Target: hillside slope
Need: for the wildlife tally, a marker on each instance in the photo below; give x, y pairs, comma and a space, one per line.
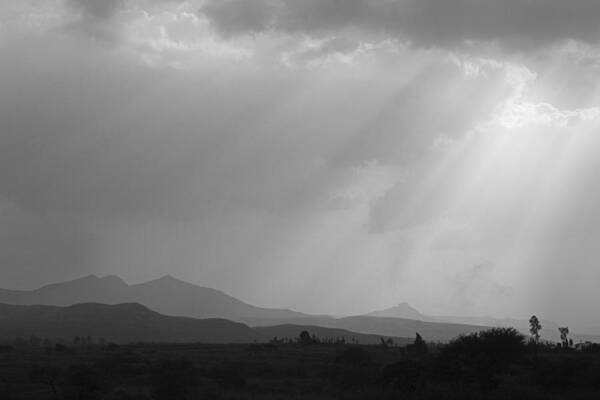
165, 295
122, 323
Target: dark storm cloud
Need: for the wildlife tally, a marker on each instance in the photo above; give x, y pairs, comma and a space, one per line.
89, 134
95, 18
100, 18
512, 23
103, 9
106, 9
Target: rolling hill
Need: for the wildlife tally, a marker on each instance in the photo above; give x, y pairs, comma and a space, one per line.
131, 322
120, 323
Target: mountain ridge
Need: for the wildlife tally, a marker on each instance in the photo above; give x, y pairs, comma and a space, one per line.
133, 322
167, 295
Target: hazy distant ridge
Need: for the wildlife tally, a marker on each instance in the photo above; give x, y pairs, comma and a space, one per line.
130, 322
166, 295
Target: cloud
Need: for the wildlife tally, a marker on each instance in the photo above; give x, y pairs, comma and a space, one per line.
321, 51
242, 17
97, 19
515, 24
108, 19
109, 137
94, 9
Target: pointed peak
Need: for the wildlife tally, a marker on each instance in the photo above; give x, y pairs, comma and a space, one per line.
168, 279
402, 310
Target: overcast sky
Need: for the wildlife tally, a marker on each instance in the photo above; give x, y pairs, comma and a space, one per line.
330, 156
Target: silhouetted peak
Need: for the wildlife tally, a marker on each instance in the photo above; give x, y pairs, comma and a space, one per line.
167, 280
402, 310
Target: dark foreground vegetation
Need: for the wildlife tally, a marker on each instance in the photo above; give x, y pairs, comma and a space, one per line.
493, 364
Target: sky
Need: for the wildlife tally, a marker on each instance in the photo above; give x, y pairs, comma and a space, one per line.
329, 156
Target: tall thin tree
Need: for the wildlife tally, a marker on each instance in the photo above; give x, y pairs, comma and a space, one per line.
534, 328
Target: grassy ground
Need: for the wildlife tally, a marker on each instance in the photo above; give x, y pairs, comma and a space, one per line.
290, 371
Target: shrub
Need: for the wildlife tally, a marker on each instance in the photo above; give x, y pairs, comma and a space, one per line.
477, 357
499, 344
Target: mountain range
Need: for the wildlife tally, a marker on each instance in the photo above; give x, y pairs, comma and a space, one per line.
174, 297
168, 296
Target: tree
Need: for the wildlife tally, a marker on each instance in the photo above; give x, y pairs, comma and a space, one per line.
305, 338
534, 328
419, 344
385, 343
564, 335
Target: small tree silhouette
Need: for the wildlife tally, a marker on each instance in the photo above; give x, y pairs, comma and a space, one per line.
564, 335
534, 328
419, 344
305, 338
383, 342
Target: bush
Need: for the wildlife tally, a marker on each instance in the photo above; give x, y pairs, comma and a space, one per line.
477, 357
499, 344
